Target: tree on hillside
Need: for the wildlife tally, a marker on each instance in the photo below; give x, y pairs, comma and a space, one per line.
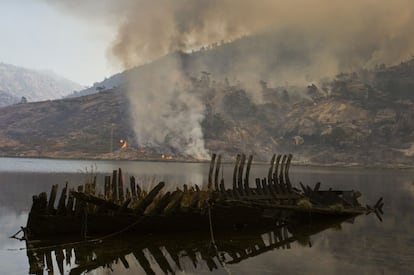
23, 100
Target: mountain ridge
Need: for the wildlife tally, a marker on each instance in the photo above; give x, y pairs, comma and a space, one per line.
18, 82
361, 118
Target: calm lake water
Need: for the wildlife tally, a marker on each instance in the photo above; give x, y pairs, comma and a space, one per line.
365, 246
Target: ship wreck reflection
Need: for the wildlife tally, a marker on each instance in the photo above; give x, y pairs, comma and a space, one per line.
168, 254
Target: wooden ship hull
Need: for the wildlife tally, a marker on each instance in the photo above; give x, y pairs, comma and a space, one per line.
119, 209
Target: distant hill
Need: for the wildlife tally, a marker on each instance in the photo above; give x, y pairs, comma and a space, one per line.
17, 82
364, 117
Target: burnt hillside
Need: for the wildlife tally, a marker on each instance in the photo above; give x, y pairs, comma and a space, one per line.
364, 118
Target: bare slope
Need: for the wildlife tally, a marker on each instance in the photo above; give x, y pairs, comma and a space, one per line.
33, 85
78, 127
362, 118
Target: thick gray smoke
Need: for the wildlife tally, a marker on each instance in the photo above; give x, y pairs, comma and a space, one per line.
311, 39
166, 113
375, 31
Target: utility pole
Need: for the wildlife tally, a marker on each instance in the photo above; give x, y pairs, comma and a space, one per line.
111, 138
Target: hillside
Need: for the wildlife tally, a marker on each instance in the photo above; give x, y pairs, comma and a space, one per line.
17, 82
364, 118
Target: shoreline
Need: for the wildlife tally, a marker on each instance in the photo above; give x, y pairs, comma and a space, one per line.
294, 163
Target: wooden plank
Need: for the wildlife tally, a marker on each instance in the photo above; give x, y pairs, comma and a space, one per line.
69, 207
264, 186
139, 191
83, 198
174, 203
146, 201
196, 201
216, 175
52, 198
107, 187
270, 172
210, 172
222, 188
114, 186
258, 186
159, 207
128, 194
61, 209
79, 204
247, 175
120, 186
240, 174
93, 186
287, 179
124, 206
39, 205
236, 169
281, 173
133, 187
276, 170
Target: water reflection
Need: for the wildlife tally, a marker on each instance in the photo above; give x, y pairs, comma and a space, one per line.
168, 253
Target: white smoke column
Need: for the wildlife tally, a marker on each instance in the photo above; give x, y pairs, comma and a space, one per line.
164, 110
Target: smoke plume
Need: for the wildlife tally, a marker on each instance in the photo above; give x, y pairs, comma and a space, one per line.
166, 113
375, 31
308, 40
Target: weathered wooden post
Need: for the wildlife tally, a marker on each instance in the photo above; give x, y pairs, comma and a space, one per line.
52, 197
216, 175
270, 173
114, 186
210, 171
61, 209
79, 203
258, 187
107, 187
133, 187
247, 175
120, 186
236, 169
281, 173
287, 180
69, 207
143, 204
240, 174
276, 172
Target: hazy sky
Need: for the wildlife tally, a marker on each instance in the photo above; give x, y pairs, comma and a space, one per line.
37, 36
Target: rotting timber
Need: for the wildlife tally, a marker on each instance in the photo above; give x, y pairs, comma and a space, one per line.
121, 208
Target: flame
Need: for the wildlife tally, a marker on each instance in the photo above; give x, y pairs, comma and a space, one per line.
166, 157
124, 143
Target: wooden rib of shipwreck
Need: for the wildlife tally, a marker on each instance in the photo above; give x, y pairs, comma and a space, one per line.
130, 208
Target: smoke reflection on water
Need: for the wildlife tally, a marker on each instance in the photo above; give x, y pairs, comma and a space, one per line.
366, 246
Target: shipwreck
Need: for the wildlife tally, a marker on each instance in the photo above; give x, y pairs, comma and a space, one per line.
120, 207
